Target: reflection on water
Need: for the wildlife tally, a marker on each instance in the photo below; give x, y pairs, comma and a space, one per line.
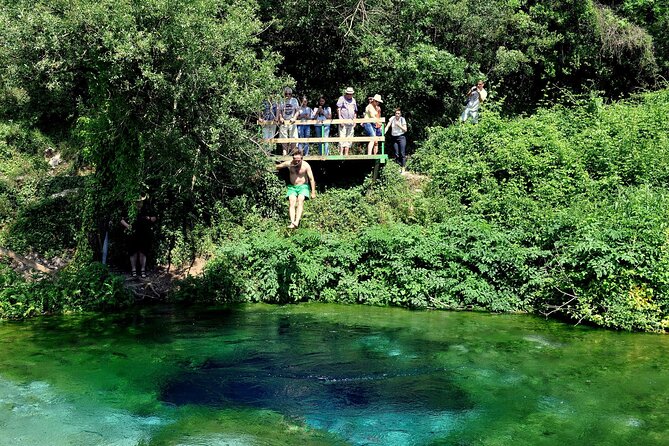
328, 375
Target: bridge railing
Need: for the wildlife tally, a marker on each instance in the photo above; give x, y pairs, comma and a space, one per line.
336, 139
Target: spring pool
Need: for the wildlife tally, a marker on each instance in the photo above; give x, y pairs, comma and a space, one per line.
318, 374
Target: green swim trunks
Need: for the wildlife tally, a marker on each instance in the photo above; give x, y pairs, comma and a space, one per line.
300, 189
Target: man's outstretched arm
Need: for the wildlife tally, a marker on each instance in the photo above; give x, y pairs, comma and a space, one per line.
282, 165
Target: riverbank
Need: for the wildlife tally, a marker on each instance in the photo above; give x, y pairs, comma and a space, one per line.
564, 213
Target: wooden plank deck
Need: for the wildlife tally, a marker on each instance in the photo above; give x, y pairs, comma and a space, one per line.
332, 121
317, 140
382, 158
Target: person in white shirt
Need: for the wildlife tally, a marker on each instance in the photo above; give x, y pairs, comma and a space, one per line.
398, 127
287, 113
475, 96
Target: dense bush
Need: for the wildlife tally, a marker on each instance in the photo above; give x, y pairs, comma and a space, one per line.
47, 226
457, 264
588, 184
90, 287
609, 262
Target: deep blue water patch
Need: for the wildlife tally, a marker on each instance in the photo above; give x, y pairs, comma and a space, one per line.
274, 383
367, 386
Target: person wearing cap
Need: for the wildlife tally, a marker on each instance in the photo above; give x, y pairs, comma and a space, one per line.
347, 108
373, 110
287, 115
475, 96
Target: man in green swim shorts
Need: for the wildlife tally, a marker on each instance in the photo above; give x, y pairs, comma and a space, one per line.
299, 188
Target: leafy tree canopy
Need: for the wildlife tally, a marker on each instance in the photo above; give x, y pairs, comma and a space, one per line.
156, 94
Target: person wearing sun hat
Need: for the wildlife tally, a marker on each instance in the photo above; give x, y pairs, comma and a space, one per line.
373, 110
347, 108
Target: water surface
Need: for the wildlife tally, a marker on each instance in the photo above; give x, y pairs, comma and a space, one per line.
328, 375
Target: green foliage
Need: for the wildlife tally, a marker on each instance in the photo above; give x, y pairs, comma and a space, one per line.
611, 257
34, 216
652, 15
22, 167
423, 55
90, 287
587, 184
457, 264
47, 226
159, 97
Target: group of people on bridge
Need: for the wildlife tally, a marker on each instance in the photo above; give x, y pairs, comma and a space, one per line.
287, 113
283, 118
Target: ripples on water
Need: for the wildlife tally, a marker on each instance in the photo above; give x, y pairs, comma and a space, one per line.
325, 375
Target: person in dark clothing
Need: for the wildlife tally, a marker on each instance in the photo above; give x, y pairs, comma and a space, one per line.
139, 240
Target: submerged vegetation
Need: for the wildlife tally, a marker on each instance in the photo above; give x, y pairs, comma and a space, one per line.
555, 203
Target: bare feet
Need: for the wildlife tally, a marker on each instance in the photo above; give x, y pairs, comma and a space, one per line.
292, 226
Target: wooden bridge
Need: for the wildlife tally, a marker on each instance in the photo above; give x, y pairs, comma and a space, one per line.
378, 159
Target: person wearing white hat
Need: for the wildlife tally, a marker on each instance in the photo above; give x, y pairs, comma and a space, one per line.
373, 110
347, 108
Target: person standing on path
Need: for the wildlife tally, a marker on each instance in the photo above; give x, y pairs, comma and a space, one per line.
398, 126
347, 108
475, 96
139, 237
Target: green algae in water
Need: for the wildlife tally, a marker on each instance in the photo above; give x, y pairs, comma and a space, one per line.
328, 375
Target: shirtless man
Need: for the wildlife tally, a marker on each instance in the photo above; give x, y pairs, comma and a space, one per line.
298, 189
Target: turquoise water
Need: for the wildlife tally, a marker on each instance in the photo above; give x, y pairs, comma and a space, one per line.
328, 375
